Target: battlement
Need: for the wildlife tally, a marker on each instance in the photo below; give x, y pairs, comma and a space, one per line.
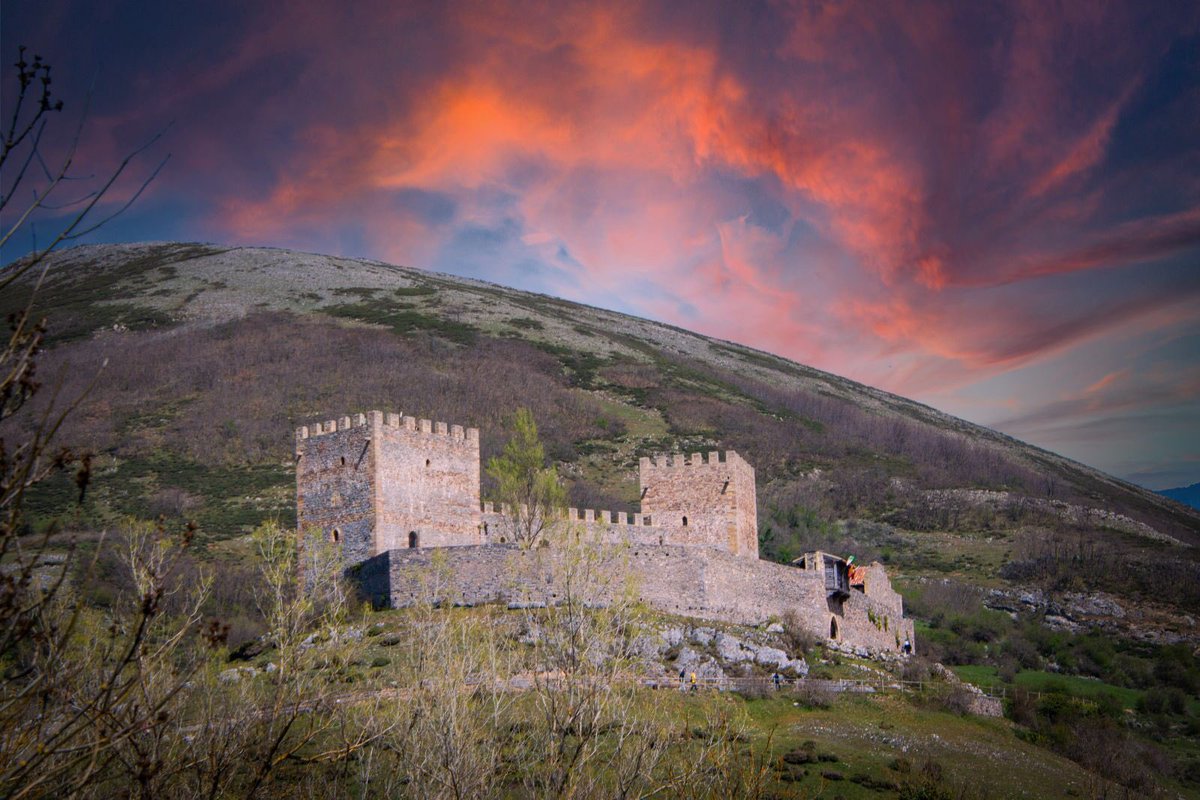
685, 460
585, 515
399, 421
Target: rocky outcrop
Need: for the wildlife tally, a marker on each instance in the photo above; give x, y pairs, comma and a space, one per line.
1077, 612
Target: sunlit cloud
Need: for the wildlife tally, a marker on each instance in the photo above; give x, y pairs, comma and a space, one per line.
919, 196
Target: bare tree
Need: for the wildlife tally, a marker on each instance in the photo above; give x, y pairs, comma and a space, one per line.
66, 713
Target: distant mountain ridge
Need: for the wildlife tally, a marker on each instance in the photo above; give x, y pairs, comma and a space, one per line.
1188, 495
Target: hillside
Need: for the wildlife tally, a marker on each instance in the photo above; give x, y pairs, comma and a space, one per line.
1069, 591
214, 355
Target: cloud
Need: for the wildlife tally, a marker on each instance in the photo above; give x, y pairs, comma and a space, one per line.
920, 196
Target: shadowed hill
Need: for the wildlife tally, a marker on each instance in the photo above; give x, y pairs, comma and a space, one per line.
215, 354
1188, 495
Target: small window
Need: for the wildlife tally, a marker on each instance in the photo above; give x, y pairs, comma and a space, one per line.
335, 536
833, 628
413, 539
685, 521
343, 461
427, 462
485, 529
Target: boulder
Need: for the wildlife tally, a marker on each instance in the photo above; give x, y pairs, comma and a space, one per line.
730, 649
771, 657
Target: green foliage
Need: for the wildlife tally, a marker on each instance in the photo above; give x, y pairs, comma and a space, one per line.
403, 319
72, 300
525, 483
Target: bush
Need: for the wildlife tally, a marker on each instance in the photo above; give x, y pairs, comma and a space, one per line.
811, 695
1163, 700
798, 639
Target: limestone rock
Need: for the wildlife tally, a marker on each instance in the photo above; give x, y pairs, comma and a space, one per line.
771, 657
730, 649
690, 661
672, 636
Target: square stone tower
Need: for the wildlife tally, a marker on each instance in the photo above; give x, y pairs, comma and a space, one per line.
702, 501
380, 482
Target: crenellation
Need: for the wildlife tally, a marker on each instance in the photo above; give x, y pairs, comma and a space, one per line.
440, 427
410, 423
426, 426
456, 432
393, 420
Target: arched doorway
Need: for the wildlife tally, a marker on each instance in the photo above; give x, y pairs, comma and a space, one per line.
413, 539
833, 628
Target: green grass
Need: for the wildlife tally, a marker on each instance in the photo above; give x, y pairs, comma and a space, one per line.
404, 319
74, 301
1041, 681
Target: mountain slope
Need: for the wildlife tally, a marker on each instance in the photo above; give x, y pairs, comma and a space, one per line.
215, 354
194, 363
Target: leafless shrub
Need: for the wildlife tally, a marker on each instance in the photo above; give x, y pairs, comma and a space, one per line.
797, 637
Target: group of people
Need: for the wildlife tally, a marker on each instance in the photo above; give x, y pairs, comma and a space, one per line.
687, 681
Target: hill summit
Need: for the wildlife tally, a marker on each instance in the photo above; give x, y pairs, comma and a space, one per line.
214, 355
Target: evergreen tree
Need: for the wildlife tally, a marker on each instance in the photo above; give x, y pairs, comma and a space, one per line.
530, 488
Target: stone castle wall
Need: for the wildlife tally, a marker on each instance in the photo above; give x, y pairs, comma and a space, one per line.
689, 581
612, 527
405, 482
401, 495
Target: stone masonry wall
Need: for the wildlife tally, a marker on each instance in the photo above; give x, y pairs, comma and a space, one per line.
877, 626
427, 483
334, 484
702, 501
695, 582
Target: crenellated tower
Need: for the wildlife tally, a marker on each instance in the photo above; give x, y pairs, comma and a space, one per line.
378, 482
702, 501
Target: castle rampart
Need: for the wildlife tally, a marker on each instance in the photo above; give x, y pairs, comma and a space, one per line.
695, 582
393, 489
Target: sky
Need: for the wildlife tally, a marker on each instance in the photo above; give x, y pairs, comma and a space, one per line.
992, 208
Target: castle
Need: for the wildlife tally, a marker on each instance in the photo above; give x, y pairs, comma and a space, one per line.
391, 490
